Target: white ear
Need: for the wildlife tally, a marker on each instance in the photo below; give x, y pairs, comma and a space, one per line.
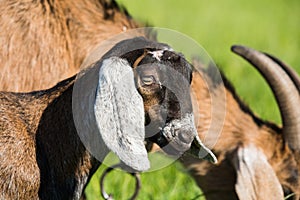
119, 112
255, 176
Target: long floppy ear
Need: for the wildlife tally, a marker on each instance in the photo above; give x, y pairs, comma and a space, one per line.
119, 112
255, 176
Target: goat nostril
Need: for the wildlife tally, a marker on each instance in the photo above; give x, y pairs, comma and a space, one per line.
185, 137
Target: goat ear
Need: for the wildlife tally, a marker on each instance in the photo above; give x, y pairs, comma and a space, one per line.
119, 112
255, 176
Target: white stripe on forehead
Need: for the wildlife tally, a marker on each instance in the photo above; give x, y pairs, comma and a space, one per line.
157, 54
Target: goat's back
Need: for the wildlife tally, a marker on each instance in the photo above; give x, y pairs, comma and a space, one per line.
44, 42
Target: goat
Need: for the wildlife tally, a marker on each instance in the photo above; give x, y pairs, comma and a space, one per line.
72, 30
50, 39
257, 159
52, 141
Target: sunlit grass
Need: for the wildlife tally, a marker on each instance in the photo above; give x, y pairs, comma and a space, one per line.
271, 25
169, 182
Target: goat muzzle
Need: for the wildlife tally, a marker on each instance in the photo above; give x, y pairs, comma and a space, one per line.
180, 136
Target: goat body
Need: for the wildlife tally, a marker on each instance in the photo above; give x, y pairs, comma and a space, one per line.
50, 39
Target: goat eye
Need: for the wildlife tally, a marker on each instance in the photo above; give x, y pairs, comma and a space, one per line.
148, 80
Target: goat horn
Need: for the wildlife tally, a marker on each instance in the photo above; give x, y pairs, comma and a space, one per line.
291, 72
284, 85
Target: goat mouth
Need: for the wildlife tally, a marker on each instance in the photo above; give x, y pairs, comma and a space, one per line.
171, 143
179, 136
175, 147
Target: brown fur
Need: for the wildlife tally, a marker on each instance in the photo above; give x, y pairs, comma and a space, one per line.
240, 129
50, 39
29, 161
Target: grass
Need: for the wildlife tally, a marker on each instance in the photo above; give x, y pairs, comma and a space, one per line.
156, 184
272, 26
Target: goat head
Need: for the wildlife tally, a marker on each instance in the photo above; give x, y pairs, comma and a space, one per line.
141, 83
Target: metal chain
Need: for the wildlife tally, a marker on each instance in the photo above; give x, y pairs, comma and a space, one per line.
110, 196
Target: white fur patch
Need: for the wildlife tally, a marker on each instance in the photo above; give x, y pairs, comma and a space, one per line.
157, 54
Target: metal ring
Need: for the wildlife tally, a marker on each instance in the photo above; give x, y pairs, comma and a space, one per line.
110, 196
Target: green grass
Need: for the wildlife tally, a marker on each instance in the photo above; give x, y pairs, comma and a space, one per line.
272, 26
170, 182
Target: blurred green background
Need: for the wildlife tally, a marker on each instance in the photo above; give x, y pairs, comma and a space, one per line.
272, 26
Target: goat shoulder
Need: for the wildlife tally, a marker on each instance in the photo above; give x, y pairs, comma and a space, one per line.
36, 154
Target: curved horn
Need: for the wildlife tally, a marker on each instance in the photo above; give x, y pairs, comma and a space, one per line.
291, 72
284, 89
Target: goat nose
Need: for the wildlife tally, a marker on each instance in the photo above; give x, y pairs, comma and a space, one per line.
185, 137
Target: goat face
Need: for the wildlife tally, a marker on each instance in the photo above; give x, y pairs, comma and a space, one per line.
163, 79
143, 90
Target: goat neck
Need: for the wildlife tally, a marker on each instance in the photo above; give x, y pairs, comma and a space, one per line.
67, 164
